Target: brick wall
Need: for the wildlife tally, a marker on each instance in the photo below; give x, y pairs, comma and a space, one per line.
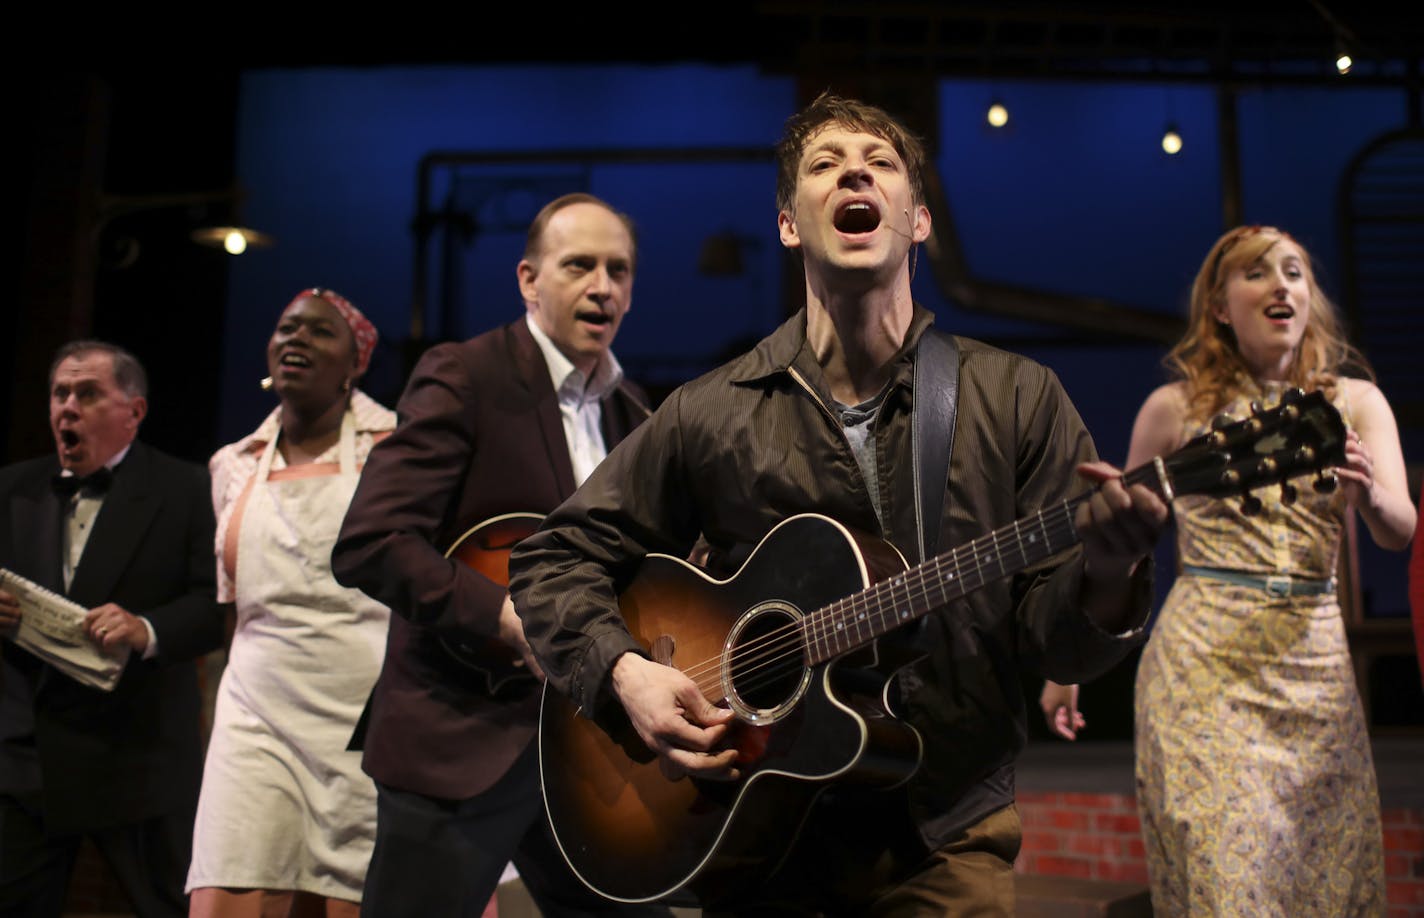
1404, 861
1093, 836
1097, 836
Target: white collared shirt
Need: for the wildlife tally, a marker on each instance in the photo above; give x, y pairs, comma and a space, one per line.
579, 400
79, 516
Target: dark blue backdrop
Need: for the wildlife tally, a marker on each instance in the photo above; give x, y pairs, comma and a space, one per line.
1073, 196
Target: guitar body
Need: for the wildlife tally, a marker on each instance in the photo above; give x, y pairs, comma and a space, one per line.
485, 549
629, 832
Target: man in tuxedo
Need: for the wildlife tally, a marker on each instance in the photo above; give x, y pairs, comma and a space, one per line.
509, 421
127, 532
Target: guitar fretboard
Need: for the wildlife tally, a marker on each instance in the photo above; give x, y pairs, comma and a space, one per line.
856, 620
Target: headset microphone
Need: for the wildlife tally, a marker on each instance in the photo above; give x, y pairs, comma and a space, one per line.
914, 245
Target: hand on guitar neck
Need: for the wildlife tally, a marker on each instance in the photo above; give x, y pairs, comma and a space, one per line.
1119, 526
511, 632
674, 719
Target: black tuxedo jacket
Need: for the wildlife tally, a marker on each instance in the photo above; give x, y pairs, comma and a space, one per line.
480, 435
110, 758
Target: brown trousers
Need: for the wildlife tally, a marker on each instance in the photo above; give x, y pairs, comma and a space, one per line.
874, 867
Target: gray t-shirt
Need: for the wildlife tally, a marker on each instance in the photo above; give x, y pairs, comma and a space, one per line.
859, 425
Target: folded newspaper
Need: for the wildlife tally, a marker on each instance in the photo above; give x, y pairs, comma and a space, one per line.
52, 628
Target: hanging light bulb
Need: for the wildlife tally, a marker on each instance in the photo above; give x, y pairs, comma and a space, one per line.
235, 243
233, 239
1171, 141
998, 115
1343, 61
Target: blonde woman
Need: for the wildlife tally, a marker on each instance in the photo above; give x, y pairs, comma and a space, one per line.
1255, 780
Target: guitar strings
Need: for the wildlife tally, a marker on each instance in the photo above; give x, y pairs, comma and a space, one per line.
779, 648
877, 603
871, 610
749, 663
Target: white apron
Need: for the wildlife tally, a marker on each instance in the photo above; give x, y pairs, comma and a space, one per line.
284, 804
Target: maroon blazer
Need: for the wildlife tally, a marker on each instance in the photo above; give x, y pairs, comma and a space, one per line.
479, 435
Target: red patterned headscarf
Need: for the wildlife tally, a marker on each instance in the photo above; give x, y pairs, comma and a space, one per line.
361, 328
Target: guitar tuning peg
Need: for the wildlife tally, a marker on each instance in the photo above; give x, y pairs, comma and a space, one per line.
1288, 493
1326, 483
1222, 420
1292, 395
1255, 406
1250, 505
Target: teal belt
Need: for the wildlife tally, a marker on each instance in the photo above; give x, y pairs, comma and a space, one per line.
1275, 584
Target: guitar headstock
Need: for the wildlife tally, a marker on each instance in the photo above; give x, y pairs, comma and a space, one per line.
1303, 434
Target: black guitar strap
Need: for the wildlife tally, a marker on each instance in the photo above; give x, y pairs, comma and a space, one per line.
936, 398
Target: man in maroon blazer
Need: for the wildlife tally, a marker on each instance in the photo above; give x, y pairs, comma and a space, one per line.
509, 421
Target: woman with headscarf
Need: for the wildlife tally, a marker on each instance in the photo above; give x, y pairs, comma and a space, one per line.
287, 819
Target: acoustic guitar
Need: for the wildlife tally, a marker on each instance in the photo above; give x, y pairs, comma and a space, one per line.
485, 548
789, 644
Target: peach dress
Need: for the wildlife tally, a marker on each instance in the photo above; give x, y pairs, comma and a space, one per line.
1255, 780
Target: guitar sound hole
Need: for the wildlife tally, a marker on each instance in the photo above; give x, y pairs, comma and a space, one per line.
766, 663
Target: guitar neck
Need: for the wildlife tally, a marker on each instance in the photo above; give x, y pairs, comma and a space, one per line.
852, 622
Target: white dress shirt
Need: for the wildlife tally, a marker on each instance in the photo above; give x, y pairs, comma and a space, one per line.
579, 399
79, 515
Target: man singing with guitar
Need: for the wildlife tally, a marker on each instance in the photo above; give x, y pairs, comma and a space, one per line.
493, 430
787, 776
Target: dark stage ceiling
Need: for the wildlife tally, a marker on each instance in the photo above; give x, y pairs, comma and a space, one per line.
1248, 41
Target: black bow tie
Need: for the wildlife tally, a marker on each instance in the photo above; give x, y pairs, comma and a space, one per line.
66, 486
